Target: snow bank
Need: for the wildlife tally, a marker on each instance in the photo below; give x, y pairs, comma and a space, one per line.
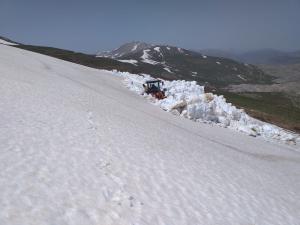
187, 99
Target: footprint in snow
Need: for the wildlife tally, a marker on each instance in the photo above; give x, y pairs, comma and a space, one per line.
91, 122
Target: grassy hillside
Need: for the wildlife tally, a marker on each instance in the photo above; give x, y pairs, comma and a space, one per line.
189, 65
81, 58
277, 108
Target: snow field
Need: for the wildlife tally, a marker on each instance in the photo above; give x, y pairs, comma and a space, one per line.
76, 147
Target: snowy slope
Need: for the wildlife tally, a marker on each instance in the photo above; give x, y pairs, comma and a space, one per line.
76, 147
4, 42
125, 49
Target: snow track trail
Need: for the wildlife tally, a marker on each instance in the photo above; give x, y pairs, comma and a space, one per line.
77, 147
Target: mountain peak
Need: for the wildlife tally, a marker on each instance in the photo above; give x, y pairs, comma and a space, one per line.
125, 49
170, 62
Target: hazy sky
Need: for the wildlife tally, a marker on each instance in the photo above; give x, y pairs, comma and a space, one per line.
91, 25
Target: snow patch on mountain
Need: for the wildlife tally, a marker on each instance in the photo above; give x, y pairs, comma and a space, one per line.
131, 61
146, 58
180, 50
157, 49
167, 69
194, 74
241, 77
134, 47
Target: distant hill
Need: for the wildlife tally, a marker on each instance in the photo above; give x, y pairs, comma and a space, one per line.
263, 56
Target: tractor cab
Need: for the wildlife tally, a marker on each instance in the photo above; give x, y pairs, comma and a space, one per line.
153, 87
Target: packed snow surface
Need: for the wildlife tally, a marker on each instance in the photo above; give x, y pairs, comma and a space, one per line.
76, 147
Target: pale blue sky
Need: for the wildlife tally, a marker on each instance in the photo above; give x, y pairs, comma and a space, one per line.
92, 25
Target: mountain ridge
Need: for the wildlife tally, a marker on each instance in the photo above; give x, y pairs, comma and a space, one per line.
267, 56
172, 62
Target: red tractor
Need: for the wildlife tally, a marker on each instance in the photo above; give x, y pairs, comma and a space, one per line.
153, 87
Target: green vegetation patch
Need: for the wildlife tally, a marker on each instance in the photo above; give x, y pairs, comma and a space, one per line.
277, 108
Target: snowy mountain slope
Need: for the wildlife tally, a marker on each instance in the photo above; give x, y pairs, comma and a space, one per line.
125, 49
76, 147
171, 63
